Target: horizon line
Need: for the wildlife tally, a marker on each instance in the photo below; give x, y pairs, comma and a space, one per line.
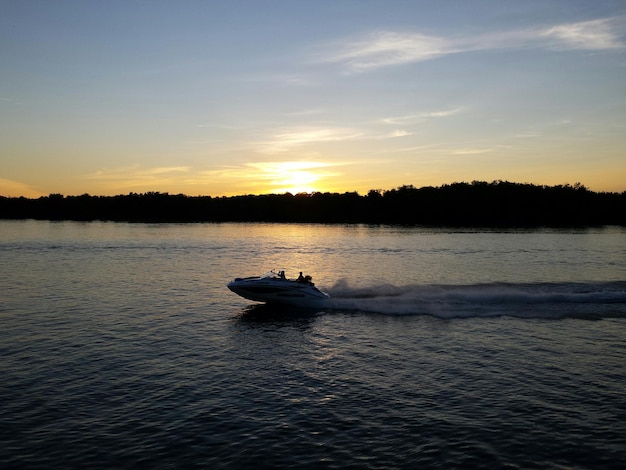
577, 185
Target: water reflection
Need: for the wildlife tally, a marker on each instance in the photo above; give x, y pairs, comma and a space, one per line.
266, 313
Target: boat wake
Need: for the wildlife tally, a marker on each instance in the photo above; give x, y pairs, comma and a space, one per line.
532, 300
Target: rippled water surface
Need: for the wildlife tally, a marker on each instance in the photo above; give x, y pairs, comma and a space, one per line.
121, 347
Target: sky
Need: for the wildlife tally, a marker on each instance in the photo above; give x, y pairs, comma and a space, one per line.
235, 97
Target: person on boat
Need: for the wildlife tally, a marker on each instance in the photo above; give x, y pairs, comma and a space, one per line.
305, 279
282, 274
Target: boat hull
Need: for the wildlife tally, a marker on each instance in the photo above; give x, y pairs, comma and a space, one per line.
278, 291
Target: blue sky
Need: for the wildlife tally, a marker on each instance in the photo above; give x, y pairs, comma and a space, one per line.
251, 97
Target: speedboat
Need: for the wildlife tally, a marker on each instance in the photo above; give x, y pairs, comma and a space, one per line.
274, 287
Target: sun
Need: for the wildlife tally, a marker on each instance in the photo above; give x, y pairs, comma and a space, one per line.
298, 182
292, 177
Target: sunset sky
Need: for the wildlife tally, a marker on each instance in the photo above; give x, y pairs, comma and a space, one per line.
250, 97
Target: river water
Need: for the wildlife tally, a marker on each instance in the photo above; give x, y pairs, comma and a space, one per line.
121, 347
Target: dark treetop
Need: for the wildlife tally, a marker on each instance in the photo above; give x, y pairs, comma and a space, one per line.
496, 204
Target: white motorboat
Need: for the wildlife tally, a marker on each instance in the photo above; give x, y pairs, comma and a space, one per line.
274, 287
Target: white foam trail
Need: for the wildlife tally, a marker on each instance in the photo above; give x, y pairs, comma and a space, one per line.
541, 300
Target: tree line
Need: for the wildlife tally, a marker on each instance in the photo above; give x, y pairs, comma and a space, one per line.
479, 203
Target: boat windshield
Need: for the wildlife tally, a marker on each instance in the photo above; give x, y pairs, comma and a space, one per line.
271, 275
280, 275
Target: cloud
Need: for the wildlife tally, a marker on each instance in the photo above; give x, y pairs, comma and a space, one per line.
587, 35
271, 167
478, 150
136, 176
307, 112
388, 48
400, 133
137, 172
417, 149
420, 117
292, 138
285, 79
10, 101
472, 151
264, 169
10, 188
444, 113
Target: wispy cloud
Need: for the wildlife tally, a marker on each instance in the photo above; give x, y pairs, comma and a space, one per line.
307, 112
136, 176
478, 150
417, 149
473, 151
137, 171
292, 138
400, 133
10, 188
587, 35
266, 170
420, 117
285, 79
387, 48
274, 167
390, 48
10, 101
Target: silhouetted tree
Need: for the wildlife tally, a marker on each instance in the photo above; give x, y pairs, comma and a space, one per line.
479, 203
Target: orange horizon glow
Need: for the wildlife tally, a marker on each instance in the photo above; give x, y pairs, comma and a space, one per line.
288, 177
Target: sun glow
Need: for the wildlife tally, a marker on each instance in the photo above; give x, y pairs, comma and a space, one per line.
293, 177
298, 182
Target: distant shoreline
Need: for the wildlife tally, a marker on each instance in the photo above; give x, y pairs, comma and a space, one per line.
476, 204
